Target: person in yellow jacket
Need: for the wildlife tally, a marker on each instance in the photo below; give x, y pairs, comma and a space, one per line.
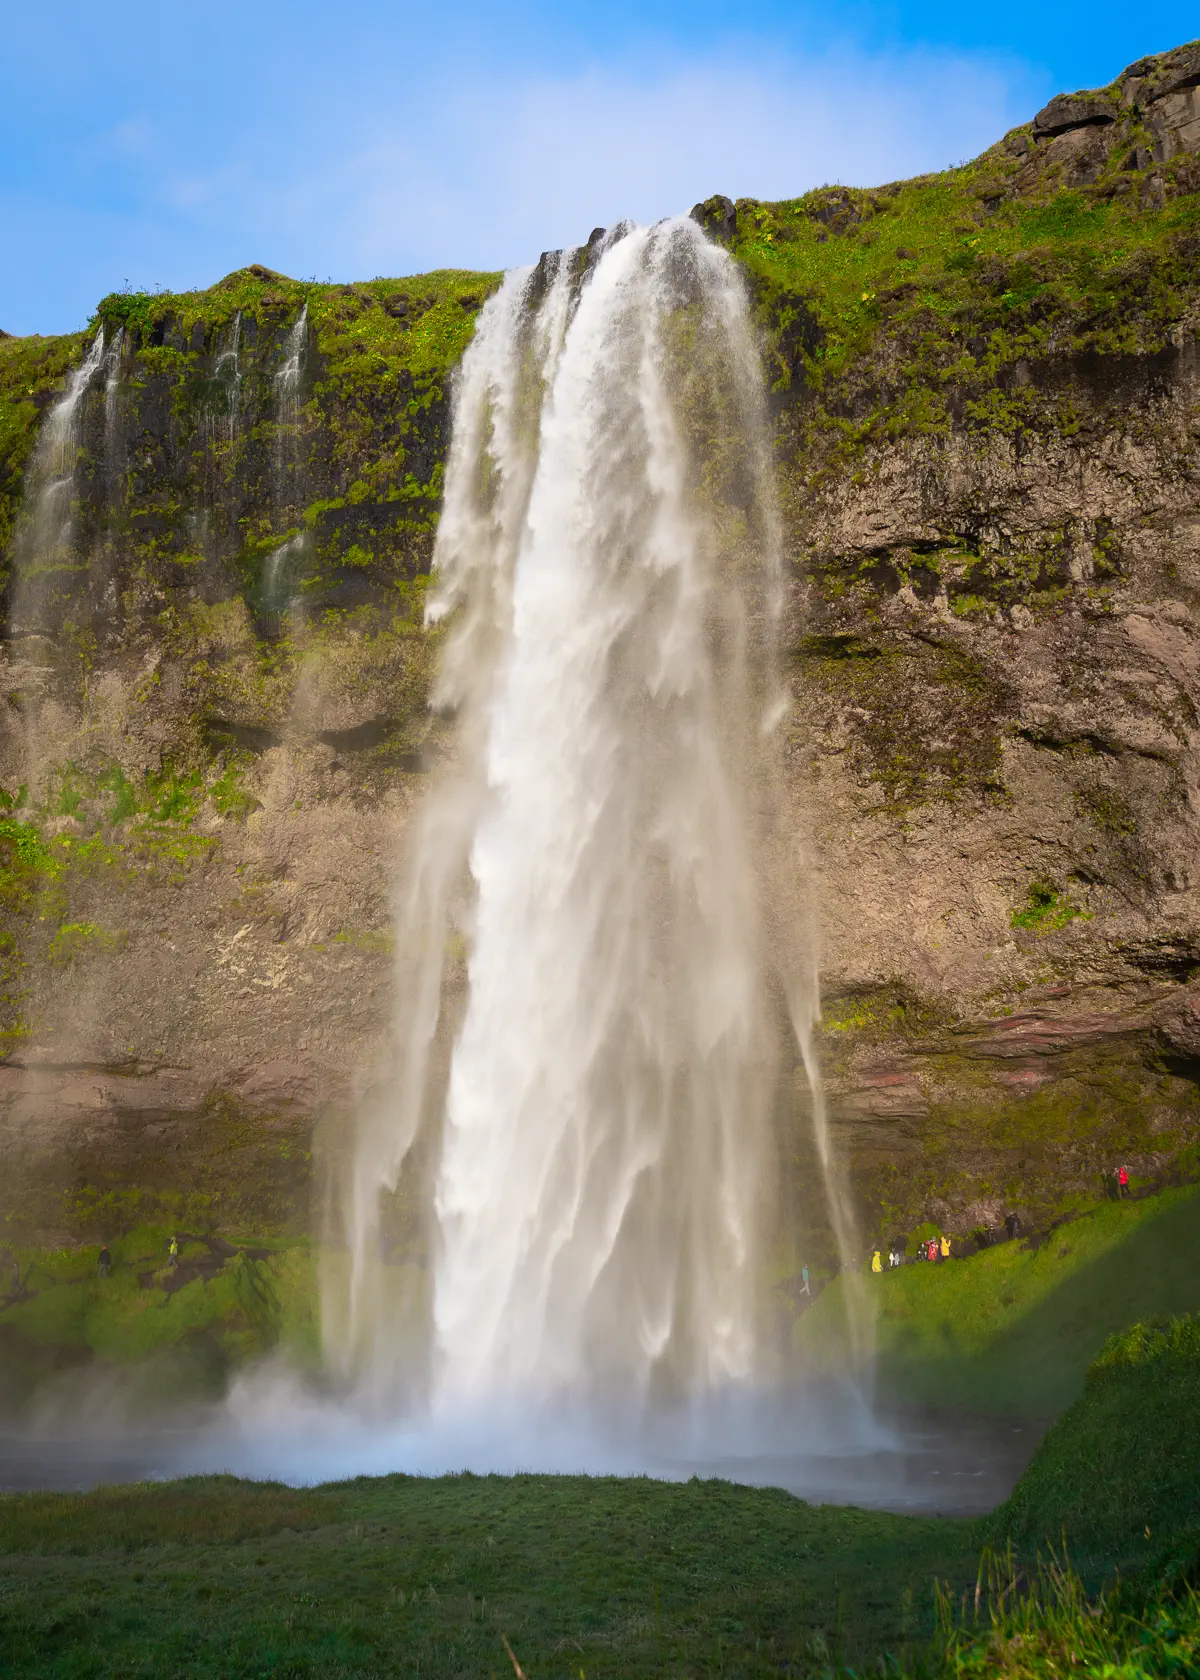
876, 1262
945, 1247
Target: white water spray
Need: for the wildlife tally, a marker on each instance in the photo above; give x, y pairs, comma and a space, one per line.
578, 1136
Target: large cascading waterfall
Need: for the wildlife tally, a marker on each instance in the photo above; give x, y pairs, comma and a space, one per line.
591, 1000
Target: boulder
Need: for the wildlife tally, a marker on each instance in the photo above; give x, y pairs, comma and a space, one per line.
1073, 110
718, 217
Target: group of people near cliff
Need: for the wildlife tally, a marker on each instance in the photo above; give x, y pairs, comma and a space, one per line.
930, 1248
938, 1248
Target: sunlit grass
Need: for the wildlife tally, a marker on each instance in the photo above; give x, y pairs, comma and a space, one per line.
1013, 1329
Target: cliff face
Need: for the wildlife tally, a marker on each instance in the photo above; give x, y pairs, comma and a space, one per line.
987, 397
216, 672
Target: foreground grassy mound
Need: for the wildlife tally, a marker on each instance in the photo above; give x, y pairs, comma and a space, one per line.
1121, 1470
409, 1576
1014, 1328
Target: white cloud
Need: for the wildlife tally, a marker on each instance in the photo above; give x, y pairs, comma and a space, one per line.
504, 169
328, 176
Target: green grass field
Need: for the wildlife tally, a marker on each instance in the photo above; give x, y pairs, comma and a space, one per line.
1013, 1329
405, 1576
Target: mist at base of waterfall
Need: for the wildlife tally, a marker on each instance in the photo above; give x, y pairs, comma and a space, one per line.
822, 1442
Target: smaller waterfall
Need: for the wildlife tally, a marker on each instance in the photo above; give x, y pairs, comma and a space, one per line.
279, 573
277, 590
228, 372
112, 387
114, 460
45, 546
287, 380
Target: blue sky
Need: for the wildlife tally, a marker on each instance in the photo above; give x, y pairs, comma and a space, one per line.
163, 145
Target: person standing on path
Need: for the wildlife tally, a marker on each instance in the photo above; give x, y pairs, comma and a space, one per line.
104, 1263
1122, 1182
173, 1255
945, 1246
876, 1261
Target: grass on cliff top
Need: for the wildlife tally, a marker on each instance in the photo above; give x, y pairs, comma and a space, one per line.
405, 332
1012, 1330
925, 251
605, 1576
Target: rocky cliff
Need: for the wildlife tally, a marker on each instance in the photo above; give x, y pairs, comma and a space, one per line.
987, 399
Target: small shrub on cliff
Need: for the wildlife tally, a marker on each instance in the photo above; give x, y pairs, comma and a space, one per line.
1046, 910
79, 939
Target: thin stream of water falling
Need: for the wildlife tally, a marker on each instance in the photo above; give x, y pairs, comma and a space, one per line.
278, 581
45, 547
287, 405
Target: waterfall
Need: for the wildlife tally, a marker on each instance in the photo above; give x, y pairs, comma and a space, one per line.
112, 389
228, 372
591, 1005
287, 407
279, 569
44, 544
45, 561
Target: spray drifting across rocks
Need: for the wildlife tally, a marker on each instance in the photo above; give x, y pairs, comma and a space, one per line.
592, 1018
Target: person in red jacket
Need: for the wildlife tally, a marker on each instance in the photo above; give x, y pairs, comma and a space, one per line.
1122, 1181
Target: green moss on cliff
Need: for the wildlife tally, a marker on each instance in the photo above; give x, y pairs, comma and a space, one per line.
927, 301
921, 719
200, 464
1046, 910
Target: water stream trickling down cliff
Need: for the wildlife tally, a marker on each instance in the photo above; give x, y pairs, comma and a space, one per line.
592, 1006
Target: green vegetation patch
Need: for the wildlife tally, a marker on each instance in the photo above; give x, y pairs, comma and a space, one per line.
1046, 910
599, 1576
1037, 1623
207, 1510
1012, 1330
94, 828
1120, 1470
966, 274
